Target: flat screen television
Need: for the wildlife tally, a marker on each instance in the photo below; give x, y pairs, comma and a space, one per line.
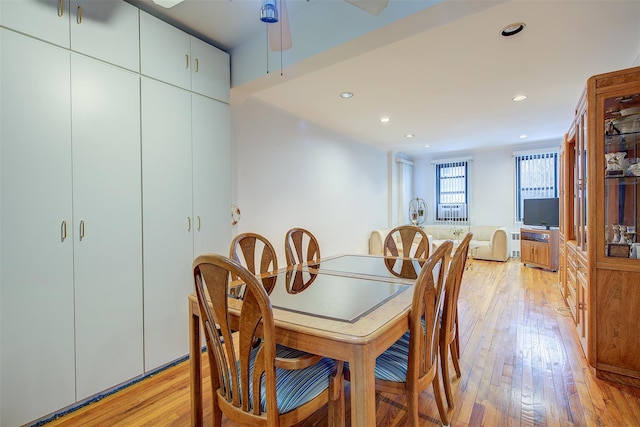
541, 212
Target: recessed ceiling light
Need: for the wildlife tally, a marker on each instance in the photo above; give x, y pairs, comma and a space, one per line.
409, 135
346, 95
427, 146
512, 29
519, 98
523, 136
385, 119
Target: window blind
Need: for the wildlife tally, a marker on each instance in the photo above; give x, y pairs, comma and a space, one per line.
451, 191
536, 178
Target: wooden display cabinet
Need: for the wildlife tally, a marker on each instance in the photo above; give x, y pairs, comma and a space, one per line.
600, 213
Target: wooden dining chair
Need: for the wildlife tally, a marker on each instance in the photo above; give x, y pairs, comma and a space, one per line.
411, 363
258, 255
449, 336
301, 246
406, 241
264, 384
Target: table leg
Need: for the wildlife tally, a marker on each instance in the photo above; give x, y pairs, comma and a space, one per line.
363, 388
195, 364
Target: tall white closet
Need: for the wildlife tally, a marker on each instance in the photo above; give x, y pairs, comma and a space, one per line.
71, 223
88, 144
186, 193
36, 287
185, 176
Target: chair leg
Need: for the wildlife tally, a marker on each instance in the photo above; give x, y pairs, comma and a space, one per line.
217, 413
455, 349
336, 397
444, 414
412, 408
455, 357
444, 369
457, 338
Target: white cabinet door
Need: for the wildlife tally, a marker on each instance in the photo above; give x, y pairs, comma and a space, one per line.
36, 269
164, 52
167, 220
108, 225
211, 175
107, 30
210, 72
44, 19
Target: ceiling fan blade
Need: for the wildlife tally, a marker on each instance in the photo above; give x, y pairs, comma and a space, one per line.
167, 3
374, 7
280, 32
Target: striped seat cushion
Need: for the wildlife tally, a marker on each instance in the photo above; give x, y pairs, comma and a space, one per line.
295, 387
392, 364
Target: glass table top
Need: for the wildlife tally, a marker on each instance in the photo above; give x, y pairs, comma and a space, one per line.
367, 265
331, 296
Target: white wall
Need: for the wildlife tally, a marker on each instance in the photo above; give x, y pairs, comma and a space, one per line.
290, 173
491, 179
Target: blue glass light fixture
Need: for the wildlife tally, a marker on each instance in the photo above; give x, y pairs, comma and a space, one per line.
269, 11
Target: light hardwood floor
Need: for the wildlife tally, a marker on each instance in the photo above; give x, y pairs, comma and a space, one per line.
521, 366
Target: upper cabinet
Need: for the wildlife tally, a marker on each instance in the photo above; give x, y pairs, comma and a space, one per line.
43, 19
210, 70
103, 29
107, 30
174, 57
164, 52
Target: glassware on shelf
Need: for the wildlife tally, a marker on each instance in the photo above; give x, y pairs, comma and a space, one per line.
622, 172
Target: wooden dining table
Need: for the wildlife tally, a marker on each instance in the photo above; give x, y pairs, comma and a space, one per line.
347, 307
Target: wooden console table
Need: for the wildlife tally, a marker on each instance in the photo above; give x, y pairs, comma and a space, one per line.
539, 248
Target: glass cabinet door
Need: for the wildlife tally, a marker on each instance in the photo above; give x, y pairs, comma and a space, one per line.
580, 179
622, 175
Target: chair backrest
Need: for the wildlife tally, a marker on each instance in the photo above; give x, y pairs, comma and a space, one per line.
407, 241
230, 380
301, 246
452, 288
428, 298
257, 254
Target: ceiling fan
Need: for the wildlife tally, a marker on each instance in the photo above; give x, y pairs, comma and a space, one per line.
275, 11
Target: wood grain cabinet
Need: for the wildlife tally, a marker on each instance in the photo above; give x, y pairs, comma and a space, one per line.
600, 218
539, 248
572, 281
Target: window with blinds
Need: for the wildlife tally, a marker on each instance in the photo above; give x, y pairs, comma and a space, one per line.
451, 191
536, 178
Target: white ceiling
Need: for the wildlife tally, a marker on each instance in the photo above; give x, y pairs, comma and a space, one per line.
451, 84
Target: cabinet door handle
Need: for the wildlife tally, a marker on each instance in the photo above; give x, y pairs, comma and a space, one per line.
188, 223
197, 65
198, 222
82, 229
187, 61
63, 231
79, 18
61, 8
